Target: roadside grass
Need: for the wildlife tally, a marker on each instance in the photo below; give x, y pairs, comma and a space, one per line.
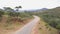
44, 28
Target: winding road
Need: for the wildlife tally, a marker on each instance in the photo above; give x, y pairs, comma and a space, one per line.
27, 29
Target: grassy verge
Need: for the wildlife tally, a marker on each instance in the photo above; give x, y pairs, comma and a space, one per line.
44, 28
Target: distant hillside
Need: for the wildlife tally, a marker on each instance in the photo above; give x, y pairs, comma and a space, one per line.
34, 10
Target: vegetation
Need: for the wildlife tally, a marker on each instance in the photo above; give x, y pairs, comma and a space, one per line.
45, 28
50, 16
13, 13
11, 19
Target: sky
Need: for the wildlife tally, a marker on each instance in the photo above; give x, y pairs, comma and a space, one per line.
30, 4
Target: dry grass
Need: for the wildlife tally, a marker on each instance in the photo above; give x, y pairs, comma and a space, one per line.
44, 28
6, 28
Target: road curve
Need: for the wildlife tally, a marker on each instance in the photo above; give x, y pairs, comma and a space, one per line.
27, 29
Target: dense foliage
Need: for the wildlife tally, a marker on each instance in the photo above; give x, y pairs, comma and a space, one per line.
52, 17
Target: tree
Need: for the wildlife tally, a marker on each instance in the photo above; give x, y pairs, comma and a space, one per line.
1, 12
8, 9
18, 7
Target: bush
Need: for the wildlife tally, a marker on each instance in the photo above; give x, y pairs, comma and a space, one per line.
58, 26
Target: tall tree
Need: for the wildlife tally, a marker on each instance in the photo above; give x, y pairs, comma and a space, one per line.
18, 7
1, 12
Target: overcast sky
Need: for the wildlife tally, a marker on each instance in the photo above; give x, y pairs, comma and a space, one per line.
30, 4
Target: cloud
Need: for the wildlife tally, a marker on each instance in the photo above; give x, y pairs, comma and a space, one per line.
30, 4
